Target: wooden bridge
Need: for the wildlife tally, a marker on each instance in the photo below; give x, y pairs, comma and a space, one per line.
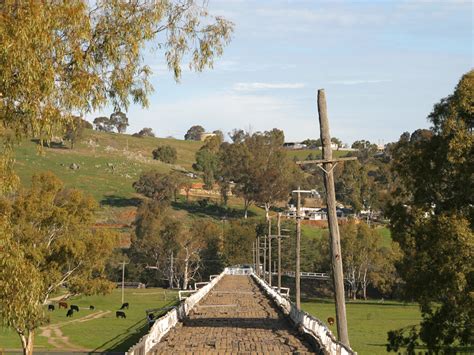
238, 314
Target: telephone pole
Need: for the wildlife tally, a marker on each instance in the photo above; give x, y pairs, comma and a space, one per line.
327, 164
123, 279
264, 257
279, 250
298, 252
258, 256
269, 251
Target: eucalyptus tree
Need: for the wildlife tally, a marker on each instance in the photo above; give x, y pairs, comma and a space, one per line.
48, 241
432, 218
75, 57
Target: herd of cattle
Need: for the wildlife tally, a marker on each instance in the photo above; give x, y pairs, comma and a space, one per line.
75, 308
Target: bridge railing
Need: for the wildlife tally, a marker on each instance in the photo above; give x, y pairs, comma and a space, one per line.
308, 324
164, 324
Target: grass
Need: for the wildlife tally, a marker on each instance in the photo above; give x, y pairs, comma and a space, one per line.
109, 162
106, 333
368, 321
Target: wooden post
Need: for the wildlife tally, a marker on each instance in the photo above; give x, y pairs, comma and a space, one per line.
123, 280
298, 251
253, 255
258, 256
269, 251
279, 250
336, 257
264, 257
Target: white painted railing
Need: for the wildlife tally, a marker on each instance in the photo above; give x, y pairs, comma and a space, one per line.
170, 319
310, 325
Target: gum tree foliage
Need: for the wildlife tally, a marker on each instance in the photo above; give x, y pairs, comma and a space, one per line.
194, 133
144, 132
75, 129
166, 154
79, 56
103, 124
158, 186
120, 121
259, 167
174, 251
48, 242
432, 218
207, 161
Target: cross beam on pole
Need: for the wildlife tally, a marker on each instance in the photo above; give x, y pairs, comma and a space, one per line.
327, 165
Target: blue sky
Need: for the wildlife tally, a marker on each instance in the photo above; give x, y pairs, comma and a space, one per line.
383, 64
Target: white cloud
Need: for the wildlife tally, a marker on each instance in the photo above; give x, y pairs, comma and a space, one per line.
358, 82
266, 86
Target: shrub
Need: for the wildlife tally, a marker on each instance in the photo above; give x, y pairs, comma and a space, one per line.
166, 154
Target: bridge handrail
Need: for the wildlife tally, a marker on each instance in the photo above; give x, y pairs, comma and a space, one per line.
307, 323
163, 324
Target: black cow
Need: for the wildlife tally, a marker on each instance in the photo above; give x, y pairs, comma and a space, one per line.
69, 313
120, 314
124, 306
91, 307
51, 307
74, 307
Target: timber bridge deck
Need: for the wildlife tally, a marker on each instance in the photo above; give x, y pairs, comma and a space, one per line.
235, 317
238, 314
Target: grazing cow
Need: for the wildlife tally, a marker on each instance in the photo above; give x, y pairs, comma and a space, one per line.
62, 305
69, 313
331, 320
124, 306
51, 307
74, 307
91, 307
120, 314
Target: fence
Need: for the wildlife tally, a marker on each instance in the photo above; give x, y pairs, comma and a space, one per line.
306, 323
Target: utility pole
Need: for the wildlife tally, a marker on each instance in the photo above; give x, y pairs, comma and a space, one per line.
269, 251
298, 251
258, 256
327, 164
264, 257
123, 280
279, 250
171, 271
253, 256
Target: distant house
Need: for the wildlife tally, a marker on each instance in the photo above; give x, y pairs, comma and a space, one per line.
294, 145
206, 135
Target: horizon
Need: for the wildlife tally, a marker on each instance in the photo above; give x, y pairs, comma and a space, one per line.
385, 64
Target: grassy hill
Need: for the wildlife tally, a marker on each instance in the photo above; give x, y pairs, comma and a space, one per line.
108, 162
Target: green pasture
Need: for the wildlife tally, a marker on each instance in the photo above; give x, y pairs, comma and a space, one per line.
368, 321
98, 330
109, 162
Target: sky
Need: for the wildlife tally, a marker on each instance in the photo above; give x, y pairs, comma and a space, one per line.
383, 65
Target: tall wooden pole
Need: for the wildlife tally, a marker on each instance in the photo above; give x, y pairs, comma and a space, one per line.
279, 250
123, 280
269, 251
258, 256
264, 257
336, 257
298, 251
253, 256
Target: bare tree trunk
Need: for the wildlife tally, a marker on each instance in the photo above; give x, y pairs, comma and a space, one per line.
186, 268
267, 210
171, 271
27, 342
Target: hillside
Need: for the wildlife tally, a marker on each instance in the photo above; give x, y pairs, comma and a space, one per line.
108, 162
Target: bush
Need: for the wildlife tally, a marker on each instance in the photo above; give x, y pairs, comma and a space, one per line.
166, 154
